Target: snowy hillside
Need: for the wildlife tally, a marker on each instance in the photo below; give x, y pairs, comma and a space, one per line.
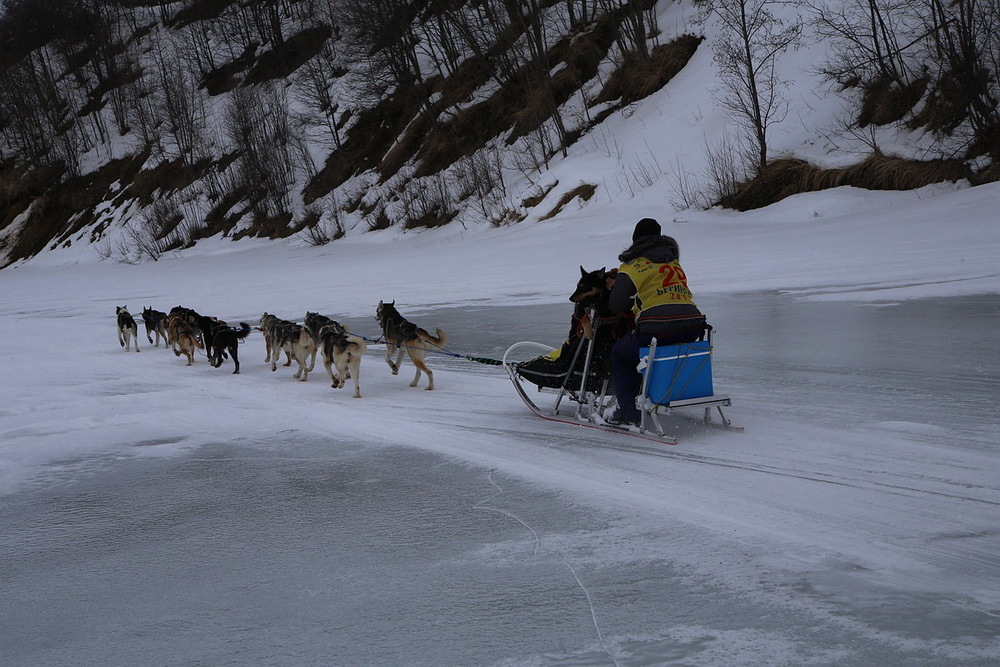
308, 136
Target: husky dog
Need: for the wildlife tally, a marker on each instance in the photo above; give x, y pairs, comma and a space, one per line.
343, 351
227, 338
175, 325
295, 340
127, 328
209, 326
185, 341
313, 323
179, 318
156, 322
400, 334
267, 325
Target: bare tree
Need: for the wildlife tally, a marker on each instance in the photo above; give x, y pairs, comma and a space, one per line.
869, 39
746, 53
967, 47
314, 89
37, 109
180, 103
382, 33
637, 22
257, 124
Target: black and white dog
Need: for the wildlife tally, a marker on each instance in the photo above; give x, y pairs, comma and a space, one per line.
127, 328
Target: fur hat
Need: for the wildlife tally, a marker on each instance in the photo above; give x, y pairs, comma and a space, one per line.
645, 228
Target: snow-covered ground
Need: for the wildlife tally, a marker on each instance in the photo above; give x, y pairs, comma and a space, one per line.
862, 498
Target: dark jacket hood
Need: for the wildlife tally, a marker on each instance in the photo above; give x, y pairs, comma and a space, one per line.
659, 249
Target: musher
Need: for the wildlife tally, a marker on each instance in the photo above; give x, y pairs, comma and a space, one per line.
651, 283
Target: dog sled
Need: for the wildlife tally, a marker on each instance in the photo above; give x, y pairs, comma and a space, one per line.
674, 377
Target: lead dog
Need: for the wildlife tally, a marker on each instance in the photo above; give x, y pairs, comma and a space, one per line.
400, 334
156, 322
127, 328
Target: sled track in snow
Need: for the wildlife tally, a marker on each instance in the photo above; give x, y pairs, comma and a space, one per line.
673, 452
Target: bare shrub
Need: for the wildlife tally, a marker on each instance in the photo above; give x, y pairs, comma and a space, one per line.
328, 226
427, 203
378, 217
639, 174
728, 167
685, 189
480, 177
138, 243
103, 248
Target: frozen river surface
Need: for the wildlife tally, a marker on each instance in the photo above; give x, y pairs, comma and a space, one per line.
486, 536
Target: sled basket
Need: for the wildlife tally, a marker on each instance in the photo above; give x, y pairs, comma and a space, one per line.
580, 373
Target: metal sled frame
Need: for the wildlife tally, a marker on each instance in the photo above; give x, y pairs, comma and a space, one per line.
650, 409
589, 403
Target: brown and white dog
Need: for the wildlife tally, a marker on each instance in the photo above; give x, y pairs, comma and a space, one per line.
400, 334
179, 319
127, 328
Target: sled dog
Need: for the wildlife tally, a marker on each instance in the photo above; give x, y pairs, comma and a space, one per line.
295, 340
564, 367
127, 328
343, 351
592, 292
313, 323
186, 340
267, 325
400, 334
209, 326
227, 338
156, 322
178, 319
